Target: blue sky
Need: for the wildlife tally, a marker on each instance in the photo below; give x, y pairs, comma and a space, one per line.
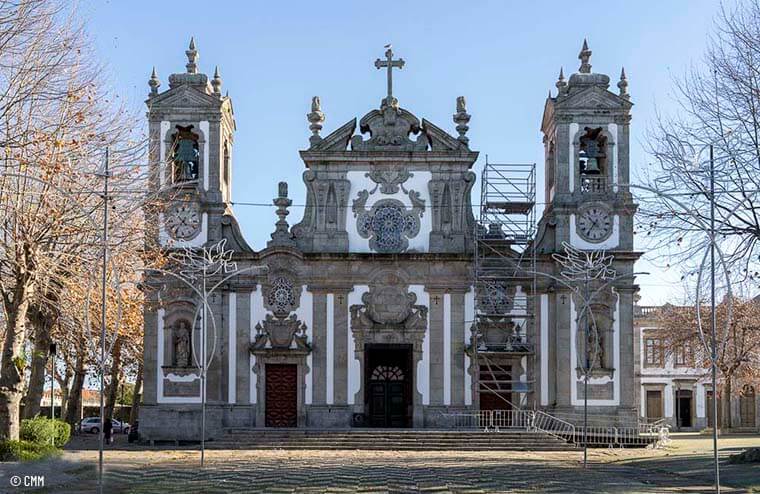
503, 56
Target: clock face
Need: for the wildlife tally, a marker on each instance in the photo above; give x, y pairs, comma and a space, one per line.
595, 223
182, 221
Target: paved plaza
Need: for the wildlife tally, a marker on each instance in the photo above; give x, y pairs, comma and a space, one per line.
682, 467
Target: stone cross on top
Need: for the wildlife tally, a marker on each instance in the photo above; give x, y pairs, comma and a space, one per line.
390, 64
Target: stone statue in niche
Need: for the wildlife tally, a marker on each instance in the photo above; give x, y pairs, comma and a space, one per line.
595, 349
182, 356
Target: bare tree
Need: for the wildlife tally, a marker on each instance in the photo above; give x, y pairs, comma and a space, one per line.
719, 105
57, 119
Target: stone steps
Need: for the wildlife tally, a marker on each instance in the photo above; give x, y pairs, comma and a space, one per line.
409, 440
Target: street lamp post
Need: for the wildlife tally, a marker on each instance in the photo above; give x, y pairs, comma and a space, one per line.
713, 352
197, 267
105, 174
710, 229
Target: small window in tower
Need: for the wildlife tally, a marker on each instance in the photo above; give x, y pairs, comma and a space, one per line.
226, 165
185, 155
592, 156
550, 158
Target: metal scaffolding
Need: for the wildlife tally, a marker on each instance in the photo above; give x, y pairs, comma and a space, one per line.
505, 284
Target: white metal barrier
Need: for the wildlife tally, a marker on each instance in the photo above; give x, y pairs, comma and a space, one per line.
492, 420
539, 421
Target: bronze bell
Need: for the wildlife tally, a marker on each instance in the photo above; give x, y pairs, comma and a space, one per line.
592, 165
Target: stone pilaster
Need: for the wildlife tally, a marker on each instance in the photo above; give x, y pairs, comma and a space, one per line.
457, 348
436, 346
319, 347
340, 347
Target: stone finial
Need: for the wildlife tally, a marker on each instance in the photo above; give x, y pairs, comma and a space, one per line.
623, 85
315, 118
154, 83
462, 118
192, 58
561, 83
216, 82
281, 235
584, 56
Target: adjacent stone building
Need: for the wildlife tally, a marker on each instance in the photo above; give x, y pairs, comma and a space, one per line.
369, 312
674, 390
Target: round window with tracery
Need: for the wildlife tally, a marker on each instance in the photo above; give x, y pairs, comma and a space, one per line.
389, 225
281, 297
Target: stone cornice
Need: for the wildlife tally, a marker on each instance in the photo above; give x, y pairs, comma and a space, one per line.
468, 157
328, 287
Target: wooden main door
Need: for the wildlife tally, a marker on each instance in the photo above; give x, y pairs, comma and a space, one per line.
281, 409
389, 386
387, 405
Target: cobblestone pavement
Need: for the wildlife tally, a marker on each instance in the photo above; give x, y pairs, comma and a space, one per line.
136, 471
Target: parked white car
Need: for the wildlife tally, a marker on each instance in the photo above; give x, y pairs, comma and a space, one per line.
92, 425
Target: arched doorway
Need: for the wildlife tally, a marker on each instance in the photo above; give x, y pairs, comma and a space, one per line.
389, 385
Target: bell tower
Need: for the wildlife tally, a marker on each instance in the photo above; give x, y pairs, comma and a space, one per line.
588, 206
586, 133
191, 128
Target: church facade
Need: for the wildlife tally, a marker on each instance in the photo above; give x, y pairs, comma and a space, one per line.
369, 311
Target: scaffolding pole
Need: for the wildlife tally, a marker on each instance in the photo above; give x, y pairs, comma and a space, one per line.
505, 284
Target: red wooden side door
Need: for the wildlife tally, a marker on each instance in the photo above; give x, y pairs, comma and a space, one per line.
281, 408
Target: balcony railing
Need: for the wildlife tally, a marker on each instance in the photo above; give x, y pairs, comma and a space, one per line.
591, 184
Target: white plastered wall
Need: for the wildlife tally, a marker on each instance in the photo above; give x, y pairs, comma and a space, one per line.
418, 182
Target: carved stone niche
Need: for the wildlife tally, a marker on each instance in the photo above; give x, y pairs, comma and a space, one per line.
596, 337
178, 338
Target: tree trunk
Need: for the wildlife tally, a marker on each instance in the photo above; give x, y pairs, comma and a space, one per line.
74, 403
134, 413
113, 387
12, 366
64, 386
727, 424
40, 354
